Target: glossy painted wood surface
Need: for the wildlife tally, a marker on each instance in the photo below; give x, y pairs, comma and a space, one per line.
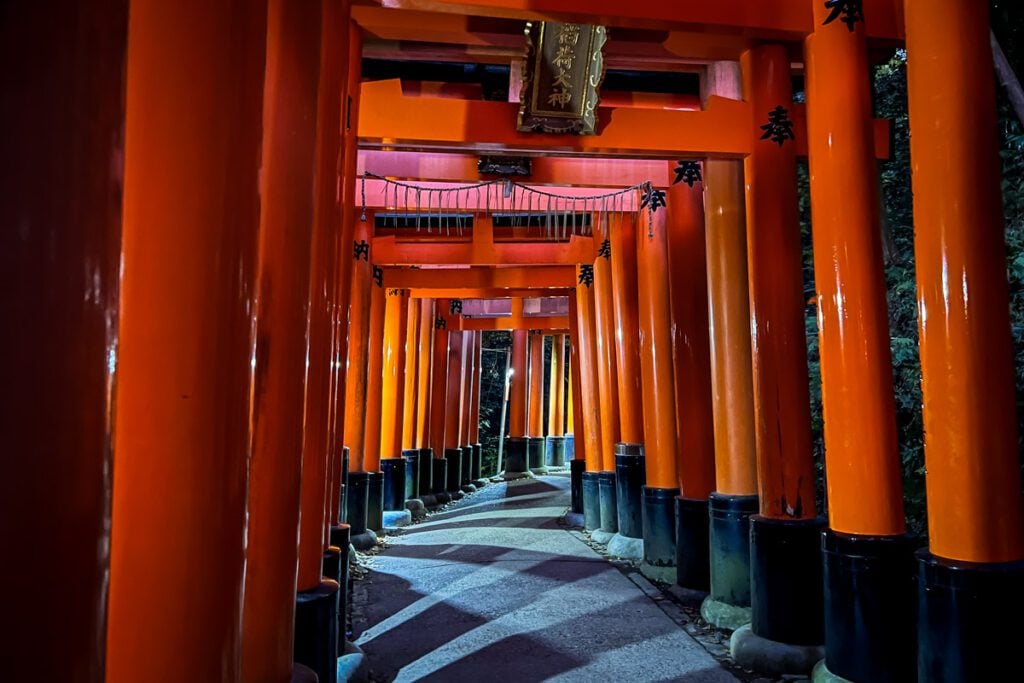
623, 244
729, 317
62, 120
607, 376
861, 459
182, 438
281, 310
782, 413
975, 512
654, 314
690, 339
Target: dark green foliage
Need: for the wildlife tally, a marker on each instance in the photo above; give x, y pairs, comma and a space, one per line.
492, 389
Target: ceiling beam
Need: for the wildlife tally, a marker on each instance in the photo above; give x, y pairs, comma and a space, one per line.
544, 170
516, 277
725, 129
556, 323
485, 293
763, 19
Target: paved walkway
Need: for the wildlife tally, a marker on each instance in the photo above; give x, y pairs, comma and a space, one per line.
496, 589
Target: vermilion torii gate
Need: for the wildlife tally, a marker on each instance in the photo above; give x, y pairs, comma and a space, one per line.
197, 336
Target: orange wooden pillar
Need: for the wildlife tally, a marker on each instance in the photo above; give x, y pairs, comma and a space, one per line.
735, 497
535, 446
346, 37
424, 350
590, 403
515, 458
474, 422
554, 449
374, 389
392, 413
661, 439
469, 348
607, 377
695, 461
865, 502
626, 341
356, 381
556, 399
570, 395
410, 402
396, 321
60, 249
282, 304
358, 340
439, 380
574, 453
453, 412
971, 578
465, 439
374, 378
476, 467
185, 342
785, 541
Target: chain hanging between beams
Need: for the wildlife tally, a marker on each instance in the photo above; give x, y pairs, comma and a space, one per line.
561, 214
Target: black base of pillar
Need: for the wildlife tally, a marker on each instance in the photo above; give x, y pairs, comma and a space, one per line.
412, 473
478, 462
577, 468
375, 501
969, 619
729, 547
426, 471
591, 501
358, 483
659, 526
331, 567
343, 492
341, 538
555, 451
467, 467
535, 454
439, 478
609, 505
693, 563
570, 447
785, 585
316, 630
393, 484
630, 477
869, 607
453, 480
515, 454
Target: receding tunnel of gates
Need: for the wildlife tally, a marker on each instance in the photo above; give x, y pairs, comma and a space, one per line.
496, 344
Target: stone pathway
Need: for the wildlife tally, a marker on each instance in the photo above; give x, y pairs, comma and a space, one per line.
496, 588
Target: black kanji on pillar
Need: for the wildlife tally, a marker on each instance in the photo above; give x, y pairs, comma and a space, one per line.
361, 249
606, 249
455, 307
779, 127
586, 275
687, 172
851, 11
378, 276
653, 199
440, 323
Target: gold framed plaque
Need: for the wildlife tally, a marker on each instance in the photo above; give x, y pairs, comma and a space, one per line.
563, 71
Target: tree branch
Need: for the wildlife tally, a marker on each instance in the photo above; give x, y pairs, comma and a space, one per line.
1007, 77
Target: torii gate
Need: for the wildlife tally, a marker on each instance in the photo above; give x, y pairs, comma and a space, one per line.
174, 245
